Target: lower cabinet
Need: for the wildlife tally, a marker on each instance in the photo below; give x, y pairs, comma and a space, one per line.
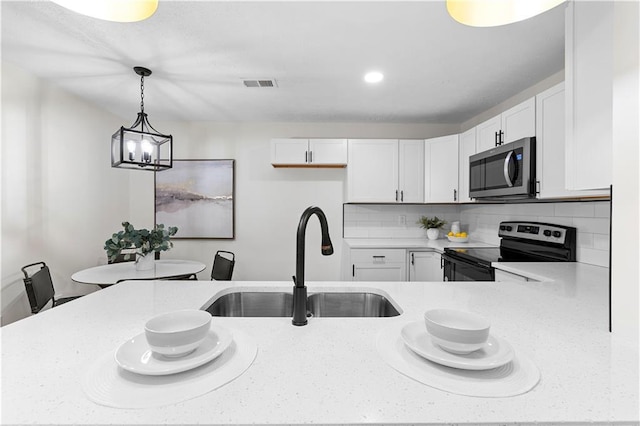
425, 266
378, 265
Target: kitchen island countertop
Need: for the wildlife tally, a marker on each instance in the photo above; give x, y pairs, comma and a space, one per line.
329, 371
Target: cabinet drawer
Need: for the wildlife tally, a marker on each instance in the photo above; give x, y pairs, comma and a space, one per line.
381, 256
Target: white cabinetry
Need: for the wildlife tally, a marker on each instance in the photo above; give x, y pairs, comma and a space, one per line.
441, 169
385, 170
466, 148
513, 124
550, 146
589, 94
309, 152
425, 266
378, 265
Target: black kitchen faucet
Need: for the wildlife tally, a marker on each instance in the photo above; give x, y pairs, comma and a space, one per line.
299, 289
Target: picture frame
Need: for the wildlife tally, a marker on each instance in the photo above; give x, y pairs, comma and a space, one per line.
198, 197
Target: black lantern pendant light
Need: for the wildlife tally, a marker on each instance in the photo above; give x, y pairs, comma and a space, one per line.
141, 147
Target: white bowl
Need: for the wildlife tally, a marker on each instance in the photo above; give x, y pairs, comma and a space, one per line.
458, 239
457, 332
177, 333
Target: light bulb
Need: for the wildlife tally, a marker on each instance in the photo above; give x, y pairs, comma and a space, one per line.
131, 146
147, 149
373, 77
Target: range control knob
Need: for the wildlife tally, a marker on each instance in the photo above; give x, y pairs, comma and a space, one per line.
547, 233
502, 227
557, 234
509, 228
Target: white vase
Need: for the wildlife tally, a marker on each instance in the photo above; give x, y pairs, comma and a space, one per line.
455, 227
145, 263
433, 233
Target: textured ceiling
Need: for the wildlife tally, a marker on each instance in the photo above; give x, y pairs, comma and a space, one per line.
436, 70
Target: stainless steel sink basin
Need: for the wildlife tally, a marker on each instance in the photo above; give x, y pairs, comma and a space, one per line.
322, 304
252, 304
350, 305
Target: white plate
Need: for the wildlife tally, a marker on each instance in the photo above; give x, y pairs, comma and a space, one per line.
514, 378
495, 353
134, 355
458, 239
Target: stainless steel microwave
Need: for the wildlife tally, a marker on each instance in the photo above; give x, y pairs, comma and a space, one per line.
506, 171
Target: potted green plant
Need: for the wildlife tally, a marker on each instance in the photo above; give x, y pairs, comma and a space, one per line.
144, 242
432, 225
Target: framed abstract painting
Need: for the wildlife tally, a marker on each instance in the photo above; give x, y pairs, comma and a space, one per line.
197, 196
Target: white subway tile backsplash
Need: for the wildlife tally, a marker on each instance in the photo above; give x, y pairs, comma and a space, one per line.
574, 209
481, 221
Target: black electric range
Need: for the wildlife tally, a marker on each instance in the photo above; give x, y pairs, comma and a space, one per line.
520, 242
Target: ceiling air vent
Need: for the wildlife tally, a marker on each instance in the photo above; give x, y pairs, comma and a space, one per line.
260, 83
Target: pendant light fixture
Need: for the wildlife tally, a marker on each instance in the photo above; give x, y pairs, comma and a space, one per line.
493, 13
141, 147
112, 10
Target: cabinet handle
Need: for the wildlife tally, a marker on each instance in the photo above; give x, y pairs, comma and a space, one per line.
455, 195
537, 187
306, 156
378, 257
311, 156
396, 195
353, 270
402, 195
495, 138
501, 137
412, 259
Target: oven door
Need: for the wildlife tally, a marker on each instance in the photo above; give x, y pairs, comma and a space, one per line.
461, 270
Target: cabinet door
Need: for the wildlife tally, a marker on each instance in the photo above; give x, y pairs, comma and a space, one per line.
589, 94
289, 151
519, 122
372, 171
550, 145
466, 148
378, 265
411, 171
441, 174
328, 151
486, 134
425, 266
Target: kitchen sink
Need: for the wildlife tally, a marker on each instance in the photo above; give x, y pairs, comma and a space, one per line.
321, 304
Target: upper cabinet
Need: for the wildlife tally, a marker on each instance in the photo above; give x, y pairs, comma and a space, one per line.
385, 170
309, 152
589, 94
550, 146
441, 169
466, 148
513, 124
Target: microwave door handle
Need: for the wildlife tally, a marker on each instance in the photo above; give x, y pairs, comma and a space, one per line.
507, 162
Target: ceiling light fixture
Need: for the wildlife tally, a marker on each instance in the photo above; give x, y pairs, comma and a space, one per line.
112, 10
373, 77
146, 148
493, 13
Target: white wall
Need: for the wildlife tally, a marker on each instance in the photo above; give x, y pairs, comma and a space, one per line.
626, 184
268, 201
60, 197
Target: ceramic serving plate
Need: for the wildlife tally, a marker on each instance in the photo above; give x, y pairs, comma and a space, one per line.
135, 355
495, 353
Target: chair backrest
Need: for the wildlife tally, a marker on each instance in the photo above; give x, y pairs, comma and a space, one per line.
223, 266
39, 287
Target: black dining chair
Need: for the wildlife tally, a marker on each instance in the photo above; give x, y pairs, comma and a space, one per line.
223, 264
39, 287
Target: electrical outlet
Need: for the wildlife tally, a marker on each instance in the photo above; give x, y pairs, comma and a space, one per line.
402, 220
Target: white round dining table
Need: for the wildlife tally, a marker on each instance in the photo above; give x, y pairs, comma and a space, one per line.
110, 274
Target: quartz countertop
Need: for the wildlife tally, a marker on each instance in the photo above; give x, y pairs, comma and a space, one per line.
329, 371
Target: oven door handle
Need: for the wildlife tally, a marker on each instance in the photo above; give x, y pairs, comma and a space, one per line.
507, 163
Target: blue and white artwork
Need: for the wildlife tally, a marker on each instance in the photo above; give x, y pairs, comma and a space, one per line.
197, 197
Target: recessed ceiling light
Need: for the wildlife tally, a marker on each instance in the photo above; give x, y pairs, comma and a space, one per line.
112, 10
373, 77
493, 13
